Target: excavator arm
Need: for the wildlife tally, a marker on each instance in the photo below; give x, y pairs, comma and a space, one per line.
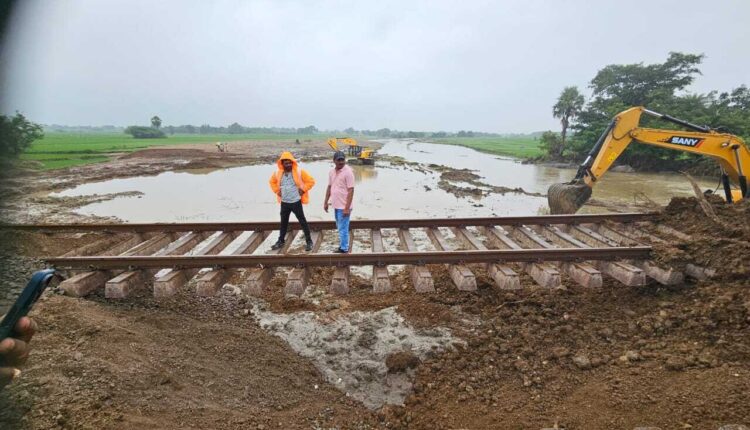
729, 150
364, 155
334, 141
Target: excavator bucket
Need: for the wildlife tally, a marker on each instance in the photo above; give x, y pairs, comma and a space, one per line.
567, 198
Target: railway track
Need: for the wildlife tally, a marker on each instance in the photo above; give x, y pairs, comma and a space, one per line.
584, 248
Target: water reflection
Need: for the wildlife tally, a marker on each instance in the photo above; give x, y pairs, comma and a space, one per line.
363, 173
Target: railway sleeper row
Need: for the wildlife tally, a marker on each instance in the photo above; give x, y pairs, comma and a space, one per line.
546, 252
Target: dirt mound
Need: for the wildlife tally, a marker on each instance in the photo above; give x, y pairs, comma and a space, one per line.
686, 214
460, 175
615, 358
166, 153
722, 243
450, 176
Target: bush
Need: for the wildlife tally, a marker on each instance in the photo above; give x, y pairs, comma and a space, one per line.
140, 132
16, 134
551, 143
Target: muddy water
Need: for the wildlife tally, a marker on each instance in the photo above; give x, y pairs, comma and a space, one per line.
383, 191
508, 172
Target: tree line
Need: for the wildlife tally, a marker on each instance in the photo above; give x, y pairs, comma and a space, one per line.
660, 87
236, 128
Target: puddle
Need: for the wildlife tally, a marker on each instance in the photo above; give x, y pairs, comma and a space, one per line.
382, 191
351, 350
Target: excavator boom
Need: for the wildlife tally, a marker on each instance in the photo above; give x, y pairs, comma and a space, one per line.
729, 150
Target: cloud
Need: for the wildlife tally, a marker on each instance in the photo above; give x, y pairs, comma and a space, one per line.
426, 65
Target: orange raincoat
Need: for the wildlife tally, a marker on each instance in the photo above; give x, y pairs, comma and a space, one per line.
301, 178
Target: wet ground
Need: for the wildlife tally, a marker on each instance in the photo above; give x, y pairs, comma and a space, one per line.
352, 351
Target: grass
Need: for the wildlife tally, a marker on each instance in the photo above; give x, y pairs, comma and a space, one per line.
519, 147
59, 150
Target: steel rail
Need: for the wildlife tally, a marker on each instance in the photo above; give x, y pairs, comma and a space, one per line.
361, 259
328, 225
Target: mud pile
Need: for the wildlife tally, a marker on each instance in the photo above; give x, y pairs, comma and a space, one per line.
722, 243
453, 181
648, 355
671, 357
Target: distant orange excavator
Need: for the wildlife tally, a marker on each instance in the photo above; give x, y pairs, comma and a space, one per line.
363, 155
729, 150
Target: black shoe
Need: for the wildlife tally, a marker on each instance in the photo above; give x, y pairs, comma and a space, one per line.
340, 251
309, 246
277, 245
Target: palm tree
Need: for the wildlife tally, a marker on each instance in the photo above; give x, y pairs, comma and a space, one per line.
155, 122
568, 106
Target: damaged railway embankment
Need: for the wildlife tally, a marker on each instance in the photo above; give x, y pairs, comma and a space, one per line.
610, 357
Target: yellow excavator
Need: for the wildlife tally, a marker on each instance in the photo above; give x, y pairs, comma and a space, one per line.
363, 155
729, 150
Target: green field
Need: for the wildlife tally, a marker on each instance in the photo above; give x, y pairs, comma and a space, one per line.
59, 150
520, 147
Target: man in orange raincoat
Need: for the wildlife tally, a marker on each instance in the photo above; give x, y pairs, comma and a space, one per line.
291, 184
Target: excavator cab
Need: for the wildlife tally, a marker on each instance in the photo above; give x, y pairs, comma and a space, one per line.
362, 155
728, 150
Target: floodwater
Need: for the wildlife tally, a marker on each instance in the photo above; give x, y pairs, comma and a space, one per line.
382, 191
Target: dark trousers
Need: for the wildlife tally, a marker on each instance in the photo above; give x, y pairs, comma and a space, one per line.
296, 208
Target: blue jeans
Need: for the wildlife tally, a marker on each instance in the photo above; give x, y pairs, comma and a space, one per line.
342, 224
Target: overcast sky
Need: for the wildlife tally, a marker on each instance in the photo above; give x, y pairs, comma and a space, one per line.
434, 65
